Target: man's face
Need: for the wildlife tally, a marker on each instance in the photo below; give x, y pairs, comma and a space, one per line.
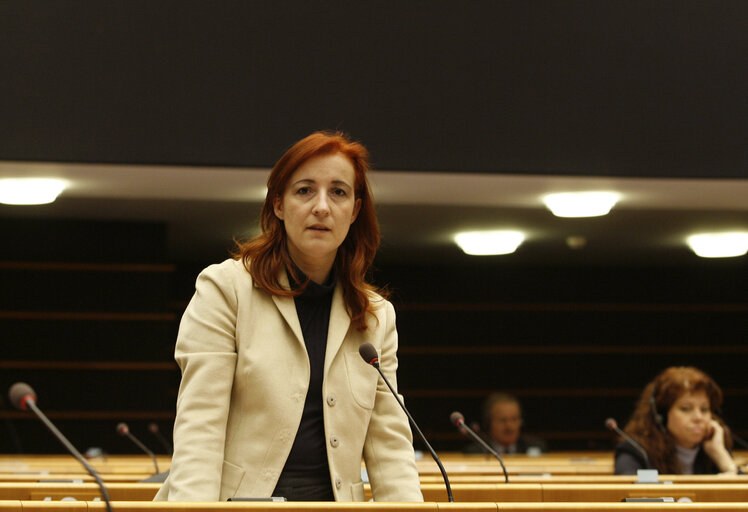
506, 422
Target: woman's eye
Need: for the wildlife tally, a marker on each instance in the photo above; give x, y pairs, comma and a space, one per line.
339, 192
303, 190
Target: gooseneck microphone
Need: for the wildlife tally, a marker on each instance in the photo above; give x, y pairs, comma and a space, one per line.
124, 430
612, 424
153, 429
370, 356
23, 397
459, 421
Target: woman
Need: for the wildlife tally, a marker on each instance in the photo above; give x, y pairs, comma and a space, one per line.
275, 399
676, 425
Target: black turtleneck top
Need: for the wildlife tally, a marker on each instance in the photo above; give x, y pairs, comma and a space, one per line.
309, 450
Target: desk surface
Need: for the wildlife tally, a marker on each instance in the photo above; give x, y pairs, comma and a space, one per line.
124, 506
563, 467
502, 493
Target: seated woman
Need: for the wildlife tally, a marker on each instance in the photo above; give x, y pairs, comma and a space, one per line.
676, 425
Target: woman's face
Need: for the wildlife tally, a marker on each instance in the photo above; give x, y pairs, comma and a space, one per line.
317, 209
688, 419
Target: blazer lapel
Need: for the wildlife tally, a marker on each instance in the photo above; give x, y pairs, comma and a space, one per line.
340, 321
287, 308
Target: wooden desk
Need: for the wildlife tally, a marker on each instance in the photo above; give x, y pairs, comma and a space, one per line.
41, 506
563, 463
71, 477
581, 479
81, 492
124, 506
53, 464
610, 493
464, 493
604, 493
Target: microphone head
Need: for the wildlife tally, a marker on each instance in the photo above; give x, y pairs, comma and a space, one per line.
153, 428
611, 424
20, 394
122, 429
457, 418
369, 353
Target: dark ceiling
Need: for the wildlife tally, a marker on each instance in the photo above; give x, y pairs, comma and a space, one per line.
635, 88
592, 88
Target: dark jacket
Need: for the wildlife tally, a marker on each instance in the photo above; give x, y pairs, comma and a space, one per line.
629, 459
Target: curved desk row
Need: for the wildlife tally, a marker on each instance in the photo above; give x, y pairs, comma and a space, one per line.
501, 493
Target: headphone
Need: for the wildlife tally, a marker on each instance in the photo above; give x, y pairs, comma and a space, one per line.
658, 418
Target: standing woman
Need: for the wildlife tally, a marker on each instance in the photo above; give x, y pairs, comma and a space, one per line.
676, 424
275, 399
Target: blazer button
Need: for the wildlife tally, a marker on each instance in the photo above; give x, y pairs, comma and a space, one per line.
338, 482
331, 400
334, 442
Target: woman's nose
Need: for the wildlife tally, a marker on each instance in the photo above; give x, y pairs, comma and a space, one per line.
320, 206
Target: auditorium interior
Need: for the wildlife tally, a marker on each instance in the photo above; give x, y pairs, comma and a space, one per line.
165, 118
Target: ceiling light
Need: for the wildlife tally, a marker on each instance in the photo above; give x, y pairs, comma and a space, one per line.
581, 204
718, 245
485, 243
576, 242
30, 190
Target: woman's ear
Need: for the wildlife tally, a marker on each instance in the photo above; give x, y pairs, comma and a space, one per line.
278, 207
356, 209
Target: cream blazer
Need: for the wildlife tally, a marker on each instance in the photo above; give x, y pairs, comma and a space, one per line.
245, 375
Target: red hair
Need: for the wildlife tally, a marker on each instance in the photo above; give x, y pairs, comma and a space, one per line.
666, 389
266, 255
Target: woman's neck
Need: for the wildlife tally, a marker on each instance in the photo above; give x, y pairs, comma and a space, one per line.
316, 271
686, 457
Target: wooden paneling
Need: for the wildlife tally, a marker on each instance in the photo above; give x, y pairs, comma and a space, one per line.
86, 321
575, 344
91, 322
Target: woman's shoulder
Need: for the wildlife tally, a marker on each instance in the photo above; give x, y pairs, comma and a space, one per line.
627, 446
626, 449
228, 271
628, 459
378, 302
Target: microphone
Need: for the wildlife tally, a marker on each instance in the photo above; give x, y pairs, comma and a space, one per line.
23, 397
612, 424
369, 355
459, 421
153, 429
124, 431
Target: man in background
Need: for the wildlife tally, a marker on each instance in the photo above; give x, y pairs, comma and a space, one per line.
502, 427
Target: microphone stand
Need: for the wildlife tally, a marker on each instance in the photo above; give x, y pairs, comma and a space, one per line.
126, 432
613, 425
31, 404
464, 428
423, 437
153, 428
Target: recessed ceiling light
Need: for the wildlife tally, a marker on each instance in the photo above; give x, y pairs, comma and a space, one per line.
581, 204
486, 243
576, 242
719, 245
19, 191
